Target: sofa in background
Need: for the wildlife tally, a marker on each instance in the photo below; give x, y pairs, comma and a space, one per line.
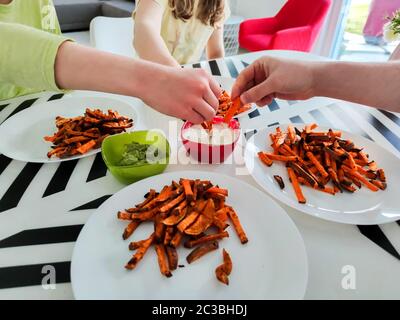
76, 15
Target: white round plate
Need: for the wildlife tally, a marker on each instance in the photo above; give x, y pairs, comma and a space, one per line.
363, 207
272, 265
22, 134
227, 84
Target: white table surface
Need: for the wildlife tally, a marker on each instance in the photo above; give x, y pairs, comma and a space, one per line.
330, 246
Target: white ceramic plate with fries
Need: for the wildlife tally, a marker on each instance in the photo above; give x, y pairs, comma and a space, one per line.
271, 265
227, 84
363, 207
22, 135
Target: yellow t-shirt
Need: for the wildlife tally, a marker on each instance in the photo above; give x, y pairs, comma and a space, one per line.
29, 40
185, 41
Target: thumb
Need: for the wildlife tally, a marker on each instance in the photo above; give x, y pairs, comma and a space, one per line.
258, 92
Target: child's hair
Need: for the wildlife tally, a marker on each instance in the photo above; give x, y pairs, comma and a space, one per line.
210, 12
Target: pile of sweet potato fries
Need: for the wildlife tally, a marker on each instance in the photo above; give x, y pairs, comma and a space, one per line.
80, 134
313, 159
192, 212
227, 109
230, 108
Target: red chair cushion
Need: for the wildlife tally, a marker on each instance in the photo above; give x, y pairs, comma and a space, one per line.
295, 27
256, 42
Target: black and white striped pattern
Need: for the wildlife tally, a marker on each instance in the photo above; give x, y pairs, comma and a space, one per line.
44, 207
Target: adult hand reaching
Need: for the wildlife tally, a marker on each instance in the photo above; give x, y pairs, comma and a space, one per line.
268, 78
373, 84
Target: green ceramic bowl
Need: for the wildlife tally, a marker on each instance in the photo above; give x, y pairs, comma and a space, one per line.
114, 146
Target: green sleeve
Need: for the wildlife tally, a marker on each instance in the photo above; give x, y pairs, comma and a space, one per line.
27, 56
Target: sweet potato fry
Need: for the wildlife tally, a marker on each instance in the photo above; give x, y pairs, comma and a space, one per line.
139, 253
363, 157
159, 229
280, 182
86, 147
325, 189
162, 260
169, 233
201, 251
309, 176
148, 197
348, 188
222, 214
291, 133
218, 191
373, 166
209, 210
176, 239
310, 127
201, 224
380, 184
351, 161
195, 186
219, 204
227, 262
224, 270
317, 164
353, 179
200, 204
381, 175
296, 186
176, 216
170, 205
123, 215
145, 215
220, 224
236, 105
207, 238
130, 229
172, 255
265, 159
164, 195
221, 274
185, 223
81, 139
237, 226
134, 245
278, 157
187, 189
215, 196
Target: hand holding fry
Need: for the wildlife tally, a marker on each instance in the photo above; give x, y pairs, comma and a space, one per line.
269, 78
195, 94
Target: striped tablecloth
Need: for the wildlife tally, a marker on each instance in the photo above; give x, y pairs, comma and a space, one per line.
43, 207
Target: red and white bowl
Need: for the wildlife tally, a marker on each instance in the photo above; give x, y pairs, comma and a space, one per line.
208, 152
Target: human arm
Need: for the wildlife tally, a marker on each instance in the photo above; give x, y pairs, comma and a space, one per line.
147, 40
373, 84
194, 95
215, 45
39, 60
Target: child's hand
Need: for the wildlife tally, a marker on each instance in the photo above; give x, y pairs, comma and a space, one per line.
269, 77
189, 94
